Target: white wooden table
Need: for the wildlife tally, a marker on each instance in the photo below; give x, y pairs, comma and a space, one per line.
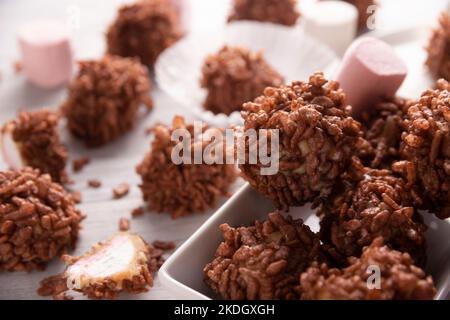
111, 164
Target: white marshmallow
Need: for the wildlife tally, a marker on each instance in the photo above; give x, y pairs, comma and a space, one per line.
333, 22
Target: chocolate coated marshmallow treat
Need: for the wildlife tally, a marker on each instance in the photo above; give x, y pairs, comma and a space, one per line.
378, 205
262, 261
144, 29
317, 138
426, 146
233, 76
104, 99
438, 60
181, 189
36, 140
38, 220
400, 278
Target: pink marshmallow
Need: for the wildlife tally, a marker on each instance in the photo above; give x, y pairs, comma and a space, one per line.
47, 57
370, 70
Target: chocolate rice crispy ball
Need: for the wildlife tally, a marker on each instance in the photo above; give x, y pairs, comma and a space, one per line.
144, 29
317, 138
37, 139
426, 145
438, 60
181, 189
276, 11
382, 129
233, 76
262, 261
379, 205
38, 220
104, 99
400, 278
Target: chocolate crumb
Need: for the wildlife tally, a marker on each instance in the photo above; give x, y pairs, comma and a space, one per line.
121, 190
80, 163
164, 245
52, 286
94, 183
136, 212
124, 224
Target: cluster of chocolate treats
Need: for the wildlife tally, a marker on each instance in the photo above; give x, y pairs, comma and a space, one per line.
367, 181
366, 174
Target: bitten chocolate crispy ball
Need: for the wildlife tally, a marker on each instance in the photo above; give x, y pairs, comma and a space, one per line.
38, 220
399, 279
276, 11
233, 76
144, 29
379, 205
438, 60
181, 189
123, 263
36, 136
104, 99
317, 138
383, 129
262, 261
426, 144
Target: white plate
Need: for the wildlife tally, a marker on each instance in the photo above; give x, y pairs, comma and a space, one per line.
292, 53
183, 271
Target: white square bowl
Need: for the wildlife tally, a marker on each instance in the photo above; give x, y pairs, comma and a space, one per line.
183, 274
